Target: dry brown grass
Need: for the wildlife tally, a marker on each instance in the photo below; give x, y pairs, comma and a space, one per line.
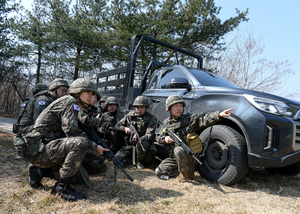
259, 192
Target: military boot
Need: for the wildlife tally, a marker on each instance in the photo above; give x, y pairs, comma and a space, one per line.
187, 175
37, 174
35, 177
65, 191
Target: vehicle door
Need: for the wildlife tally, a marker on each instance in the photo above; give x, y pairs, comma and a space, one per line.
160, 89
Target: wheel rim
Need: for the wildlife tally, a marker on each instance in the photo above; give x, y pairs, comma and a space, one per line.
217, 156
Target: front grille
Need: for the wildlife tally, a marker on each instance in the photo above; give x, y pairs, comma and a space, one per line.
296, 145
297, 116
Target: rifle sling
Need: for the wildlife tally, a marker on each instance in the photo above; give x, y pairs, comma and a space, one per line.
89, 185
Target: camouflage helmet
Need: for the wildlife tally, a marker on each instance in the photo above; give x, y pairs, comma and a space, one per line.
103, 99
39, 87
173, 99
58, 83
111, 100
141, 101
82, 84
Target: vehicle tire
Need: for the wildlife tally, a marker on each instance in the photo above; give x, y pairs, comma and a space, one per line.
291, 170
225, 159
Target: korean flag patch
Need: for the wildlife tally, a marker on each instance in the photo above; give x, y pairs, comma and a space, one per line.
42, 103
23, 105
76, 107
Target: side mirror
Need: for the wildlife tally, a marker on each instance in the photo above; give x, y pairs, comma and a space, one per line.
179, 82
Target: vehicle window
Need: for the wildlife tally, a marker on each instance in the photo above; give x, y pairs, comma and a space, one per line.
153, 81
168, 75
210, 79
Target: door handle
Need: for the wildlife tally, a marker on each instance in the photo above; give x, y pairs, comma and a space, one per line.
155, 100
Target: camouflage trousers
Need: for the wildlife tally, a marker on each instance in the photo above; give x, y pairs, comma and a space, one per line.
173, 166
112, 140
65, 154
125, 154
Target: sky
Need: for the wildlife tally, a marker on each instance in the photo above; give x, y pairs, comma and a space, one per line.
277, 24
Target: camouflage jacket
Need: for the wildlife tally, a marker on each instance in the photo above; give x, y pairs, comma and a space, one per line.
86, 116
110, 119
35, 106
58, 120
22, 109
145, 126
182, 124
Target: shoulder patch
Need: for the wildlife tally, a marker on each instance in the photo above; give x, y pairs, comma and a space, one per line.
76, 107
42, 103
23, 105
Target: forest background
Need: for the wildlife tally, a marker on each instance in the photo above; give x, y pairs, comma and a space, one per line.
72, 39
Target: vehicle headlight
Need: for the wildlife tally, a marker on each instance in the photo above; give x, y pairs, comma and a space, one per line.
272, 106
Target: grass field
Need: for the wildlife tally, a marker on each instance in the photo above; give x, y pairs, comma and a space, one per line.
259, 192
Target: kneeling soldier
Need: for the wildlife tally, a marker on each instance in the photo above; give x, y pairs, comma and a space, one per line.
145, 125
56, 142
179, 161
109, 119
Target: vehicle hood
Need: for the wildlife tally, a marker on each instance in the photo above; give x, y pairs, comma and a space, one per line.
240, 91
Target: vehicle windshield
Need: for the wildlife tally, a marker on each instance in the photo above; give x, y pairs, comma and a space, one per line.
210, 79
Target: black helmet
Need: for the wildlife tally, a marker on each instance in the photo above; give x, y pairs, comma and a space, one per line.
39, 87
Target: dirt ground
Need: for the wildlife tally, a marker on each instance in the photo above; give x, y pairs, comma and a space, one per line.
259, 192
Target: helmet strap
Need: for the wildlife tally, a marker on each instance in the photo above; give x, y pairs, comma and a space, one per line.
83, 103
56, 93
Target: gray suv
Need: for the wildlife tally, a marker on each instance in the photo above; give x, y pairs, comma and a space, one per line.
262, 131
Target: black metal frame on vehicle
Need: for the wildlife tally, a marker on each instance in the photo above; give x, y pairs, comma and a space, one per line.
128, 94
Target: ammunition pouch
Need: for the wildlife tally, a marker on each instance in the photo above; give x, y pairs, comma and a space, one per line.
20, 146
193, 141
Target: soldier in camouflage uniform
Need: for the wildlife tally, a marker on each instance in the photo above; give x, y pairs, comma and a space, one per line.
25, 117
56, 142
38, 103
58, 87
41, 100
36, 89
102, 106
179, 161
86, 114
92, 162
145, 124
109, 119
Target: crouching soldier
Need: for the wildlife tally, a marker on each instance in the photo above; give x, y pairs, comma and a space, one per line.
93, 162
26, 117
87, 112
145, 125
179, 161
56, 142
109, 119
37, 103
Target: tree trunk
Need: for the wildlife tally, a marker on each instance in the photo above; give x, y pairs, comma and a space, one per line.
38, 69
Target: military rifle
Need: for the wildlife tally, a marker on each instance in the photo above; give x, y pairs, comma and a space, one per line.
134, 132
106, 129
179, 142
94, 137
